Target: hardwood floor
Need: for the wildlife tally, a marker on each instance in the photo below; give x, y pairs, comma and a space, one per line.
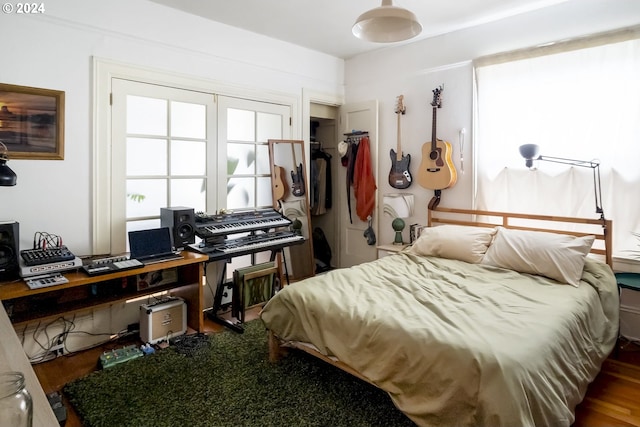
612, 400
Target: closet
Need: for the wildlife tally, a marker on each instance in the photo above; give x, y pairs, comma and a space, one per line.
323, 183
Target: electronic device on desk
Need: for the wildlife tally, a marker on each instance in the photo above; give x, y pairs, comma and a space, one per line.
210, 226
46, 280
54, 267
152, 245
107, 265
272, 240
47, 256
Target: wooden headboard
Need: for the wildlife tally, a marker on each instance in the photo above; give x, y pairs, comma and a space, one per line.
601, 228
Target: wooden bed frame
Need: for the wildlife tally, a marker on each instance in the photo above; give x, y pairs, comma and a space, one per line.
601, 228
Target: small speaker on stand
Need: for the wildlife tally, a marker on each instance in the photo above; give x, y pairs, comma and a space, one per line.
9, 250
182, 223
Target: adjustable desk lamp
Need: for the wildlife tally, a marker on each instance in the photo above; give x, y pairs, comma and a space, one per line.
7, 176
530, 153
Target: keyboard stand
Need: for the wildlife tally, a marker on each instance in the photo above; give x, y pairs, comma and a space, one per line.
212, 314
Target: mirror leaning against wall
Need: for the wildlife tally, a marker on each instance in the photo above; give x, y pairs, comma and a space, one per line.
291, 197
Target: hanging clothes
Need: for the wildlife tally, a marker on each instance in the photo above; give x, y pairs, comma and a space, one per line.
352, 153
364, 183
321, 186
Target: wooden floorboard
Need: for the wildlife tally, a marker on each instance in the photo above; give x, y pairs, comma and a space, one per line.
612, 400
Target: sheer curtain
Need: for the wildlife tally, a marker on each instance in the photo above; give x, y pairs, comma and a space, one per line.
575, 100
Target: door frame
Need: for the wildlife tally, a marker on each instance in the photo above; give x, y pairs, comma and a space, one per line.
309, 97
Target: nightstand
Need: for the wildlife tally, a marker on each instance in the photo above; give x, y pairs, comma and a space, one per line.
629, 287
384, 250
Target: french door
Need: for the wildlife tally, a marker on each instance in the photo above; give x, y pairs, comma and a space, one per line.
178, 147
161, 155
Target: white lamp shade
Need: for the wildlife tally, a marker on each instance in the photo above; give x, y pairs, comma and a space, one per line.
386, 24
398, 205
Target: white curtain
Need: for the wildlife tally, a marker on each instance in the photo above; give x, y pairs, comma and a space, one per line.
579, 104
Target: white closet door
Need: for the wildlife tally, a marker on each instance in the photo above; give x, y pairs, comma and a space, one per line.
353, 245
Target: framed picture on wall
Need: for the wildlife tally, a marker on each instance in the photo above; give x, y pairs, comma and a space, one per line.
32, 122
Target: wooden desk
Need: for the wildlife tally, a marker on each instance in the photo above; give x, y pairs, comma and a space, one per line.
85, 293
80, 294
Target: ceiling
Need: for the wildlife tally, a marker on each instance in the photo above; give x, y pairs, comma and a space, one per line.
325, 25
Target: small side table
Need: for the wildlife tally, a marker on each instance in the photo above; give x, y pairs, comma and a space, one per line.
628, 280
384, 250
629, 288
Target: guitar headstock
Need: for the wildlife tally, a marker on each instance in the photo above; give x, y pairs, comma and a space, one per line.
400, 108
437, 96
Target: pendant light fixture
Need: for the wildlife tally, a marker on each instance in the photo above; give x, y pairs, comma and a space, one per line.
387, 24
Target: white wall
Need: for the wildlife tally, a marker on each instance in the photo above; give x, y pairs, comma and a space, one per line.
55, 50
417, 68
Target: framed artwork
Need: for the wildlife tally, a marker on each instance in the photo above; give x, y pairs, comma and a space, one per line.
32, 122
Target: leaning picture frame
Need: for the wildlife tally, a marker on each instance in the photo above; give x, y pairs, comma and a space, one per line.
32, 122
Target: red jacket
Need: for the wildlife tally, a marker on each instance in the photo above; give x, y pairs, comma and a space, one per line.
364, 183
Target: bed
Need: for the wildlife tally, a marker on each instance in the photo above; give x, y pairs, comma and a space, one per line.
489, 318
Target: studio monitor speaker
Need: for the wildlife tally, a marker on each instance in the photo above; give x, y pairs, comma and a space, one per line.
9, 250
182, 223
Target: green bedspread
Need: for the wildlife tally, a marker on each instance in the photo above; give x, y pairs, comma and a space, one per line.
456, 343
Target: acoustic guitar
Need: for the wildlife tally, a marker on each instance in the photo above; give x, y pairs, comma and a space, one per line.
399, 175
280, 187
436, 171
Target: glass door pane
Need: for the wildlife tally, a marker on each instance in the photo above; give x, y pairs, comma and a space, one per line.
163, 134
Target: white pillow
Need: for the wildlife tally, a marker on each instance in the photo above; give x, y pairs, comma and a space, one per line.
465, 243
557, 256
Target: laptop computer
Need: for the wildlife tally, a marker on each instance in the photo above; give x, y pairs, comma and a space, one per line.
152, 245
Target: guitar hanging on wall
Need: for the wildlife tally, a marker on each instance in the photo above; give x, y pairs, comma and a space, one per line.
280, 187
297, 188
399, 176
436, 171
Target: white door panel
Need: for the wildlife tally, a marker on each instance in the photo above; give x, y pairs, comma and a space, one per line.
354, 249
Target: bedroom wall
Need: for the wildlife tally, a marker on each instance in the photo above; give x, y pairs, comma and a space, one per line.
54, 50
417, 68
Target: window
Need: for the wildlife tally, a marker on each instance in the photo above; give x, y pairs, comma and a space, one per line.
577, 100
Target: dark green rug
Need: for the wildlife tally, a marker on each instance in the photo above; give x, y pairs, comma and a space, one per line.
229, 381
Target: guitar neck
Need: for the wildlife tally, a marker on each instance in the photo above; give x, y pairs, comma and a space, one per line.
399, 146
433, 129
